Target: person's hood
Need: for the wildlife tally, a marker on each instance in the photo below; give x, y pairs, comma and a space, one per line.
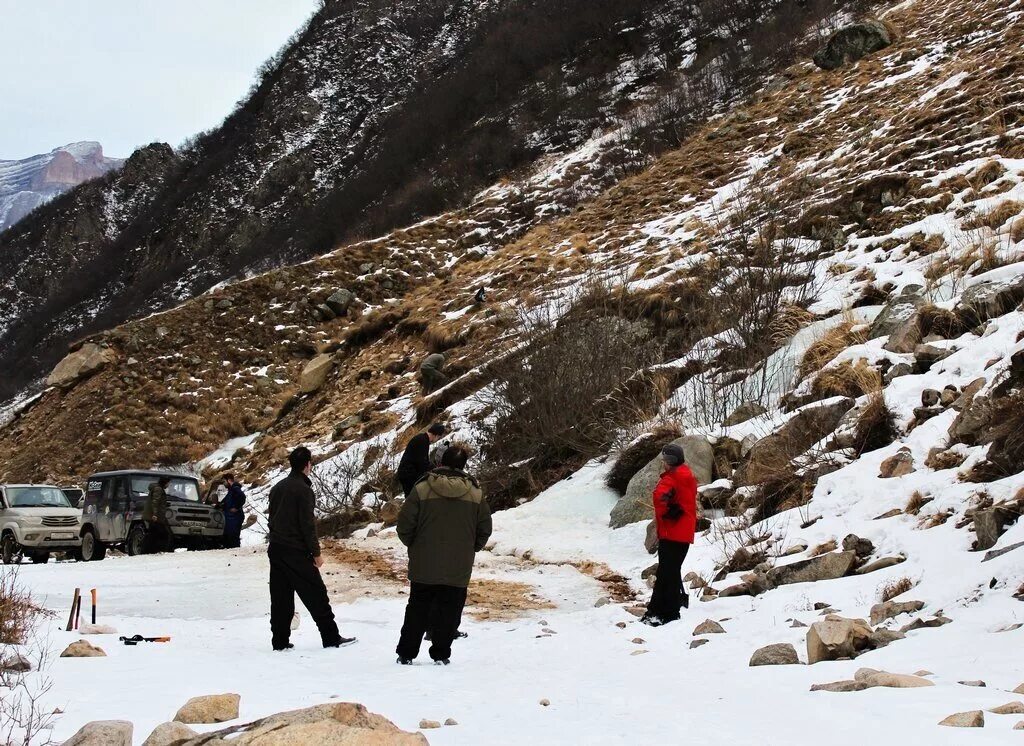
449, 483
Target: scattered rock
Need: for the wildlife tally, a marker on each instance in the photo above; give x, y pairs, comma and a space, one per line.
797, 623
637, 641
971, 719
906, 336
1010, 708
895, 315
919, 623
823, 567
930, 397
861, 547
948, 395
881, 564
15, 663
83, 362
169, 734
315, 373
103, 733
1019, 726
745, 411
837, 637
889, 609
926, 355
972, 424
649, 572
211, 708
603, 601
651, 538
847, 685
698, 642
990, 298
873, 678
708, 627
429, 724
778, 654
82, 649
339, 301
974, 682
990, 524
882, 637
889, 514
545, 703
898, 370
899, 464
451, 721
389, 512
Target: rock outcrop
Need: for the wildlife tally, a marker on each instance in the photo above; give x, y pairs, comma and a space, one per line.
852, 42
81, 363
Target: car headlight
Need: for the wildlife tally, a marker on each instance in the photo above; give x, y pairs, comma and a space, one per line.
32, 520
169, 514
217, 518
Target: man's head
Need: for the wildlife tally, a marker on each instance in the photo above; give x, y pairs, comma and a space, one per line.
229, 479
301, 460
436, 431
673, 455
456, 456
163, 482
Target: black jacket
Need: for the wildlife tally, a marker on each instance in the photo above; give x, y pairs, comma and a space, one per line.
291, 514
415, 462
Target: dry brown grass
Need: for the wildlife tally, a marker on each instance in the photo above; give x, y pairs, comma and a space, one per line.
876, 425
828, 345
824, 548
943, 460
847, 379
998, 216
18, 611
893, 588
917, 501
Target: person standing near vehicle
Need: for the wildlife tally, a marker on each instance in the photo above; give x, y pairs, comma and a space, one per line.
415, 462
444, 523
675, 513
232, 505
154, 513
295, 558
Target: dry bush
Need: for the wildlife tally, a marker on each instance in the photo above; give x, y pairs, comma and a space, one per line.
947, 324
18, 612
784, 490
344, 482
372, 327
917, 501
893, 588
638, 454
847, 379
439, 339
1005, 456
943, 460
876, 425
824, 349
998, 216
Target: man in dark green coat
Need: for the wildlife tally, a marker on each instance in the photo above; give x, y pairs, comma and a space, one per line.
154, 513
444, 522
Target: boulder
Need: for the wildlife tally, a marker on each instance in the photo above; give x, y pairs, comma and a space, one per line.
847, 685
898, 370
837, 637
823, 567
989, 298
873, 678
708, 627
697, 643
990, 524
745, 411
82, 649
83, 362
968, 393
889, 609
15, 663
169, 734
429, 724
651, 538
779, 654
852, 42
972, 424
339, 301
896, 314
315, 373
882, 637
103, 733
906, 336
931, 397
948, 395
861, 547
343, 724
636, 505
881, 564
211, 708
970, 719
973, 682
919, 623
926, 355
1010, 708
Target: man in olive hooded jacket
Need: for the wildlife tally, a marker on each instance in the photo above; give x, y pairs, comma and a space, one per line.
444, 522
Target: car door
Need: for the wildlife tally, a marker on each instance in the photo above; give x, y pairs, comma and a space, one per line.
120, 507
103, 521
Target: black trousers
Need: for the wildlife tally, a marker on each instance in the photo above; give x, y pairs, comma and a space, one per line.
158, 538
667, 597
292, 572
434, 607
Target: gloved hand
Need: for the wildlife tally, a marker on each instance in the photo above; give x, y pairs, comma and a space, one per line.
673, 512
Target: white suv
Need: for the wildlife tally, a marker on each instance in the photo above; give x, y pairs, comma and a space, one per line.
36, 519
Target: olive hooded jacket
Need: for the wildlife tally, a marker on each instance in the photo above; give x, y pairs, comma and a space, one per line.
445, 521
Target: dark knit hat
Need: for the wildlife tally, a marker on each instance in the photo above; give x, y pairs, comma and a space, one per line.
673, 454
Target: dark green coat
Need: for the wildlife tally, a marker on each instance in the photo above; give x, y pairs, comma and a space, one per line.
445, 521
155, 510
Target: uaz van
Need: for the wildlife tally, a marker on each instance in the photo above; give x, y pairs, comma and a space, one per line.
113, 507
35, 520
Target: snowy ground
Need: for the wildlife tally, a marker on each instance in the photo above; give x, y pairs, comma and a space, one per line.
602, 689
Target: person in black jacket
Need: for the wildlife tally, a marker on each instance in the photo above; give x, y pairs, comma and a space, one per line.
415, 461
295, 559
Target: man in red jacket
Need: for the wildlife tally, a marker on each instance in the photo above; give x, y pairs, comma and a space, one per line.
675, 512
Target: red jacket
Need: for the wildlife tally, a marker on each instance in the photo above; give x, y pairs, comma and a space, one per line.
680, 486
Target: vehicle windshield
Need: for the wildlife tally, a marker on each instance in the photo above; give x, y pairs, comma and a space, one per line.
36, 497
178, 489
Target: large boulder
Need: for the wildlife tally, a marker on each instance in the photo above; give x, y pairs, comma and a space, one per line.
906, 335
339, 301
995, 295
84, 361
873, 678
823, 567
971, 719
83, 649
342, 724
805, 428
896, 314
779, 654
636, 504
990, 524
210, 708
169, 734
315, 373
103, 733
852, 42
889, 609
836, 637
973, 424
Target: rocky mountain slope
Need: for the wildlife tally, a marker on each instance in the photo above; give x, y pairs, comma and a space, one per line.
30, 182
335, 144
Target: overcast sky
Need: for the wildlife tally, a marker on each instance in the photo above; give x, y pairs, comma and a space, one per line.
129, 72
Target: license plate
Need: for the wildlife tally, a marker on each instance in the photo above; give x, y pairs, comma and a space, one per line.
195, 530
193, 524
62, 535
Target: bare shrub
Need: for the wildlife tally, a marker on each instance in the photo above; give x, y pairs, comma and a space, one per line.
372, 327
893, 588
876, 425
638, 454
18, 612
344, 483
917, 501
824, 349
847, 379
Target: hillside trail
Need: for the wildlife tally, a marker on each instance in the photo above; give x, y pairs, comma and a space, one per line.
504, 586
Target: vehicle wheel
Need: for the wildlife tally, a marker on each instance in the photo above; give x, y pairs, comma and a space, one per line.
92, 548
136, 543
10, 550
40, 558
